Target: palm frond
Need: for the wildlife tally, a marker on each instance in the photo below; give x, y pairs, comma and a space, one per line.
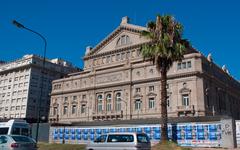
151, 25
166, 44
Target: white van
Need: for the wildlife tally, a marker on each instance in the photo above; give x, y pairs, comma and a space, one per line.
121, 141
15, 126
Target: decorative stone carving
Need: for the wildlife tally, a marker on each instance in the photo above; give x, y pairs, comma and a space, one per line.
224, 68
125, 20
109, 78
88, 49
209, 57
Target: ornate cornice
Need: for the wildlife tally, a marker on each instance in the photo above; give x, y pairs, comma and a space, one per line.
183, 75
135, 46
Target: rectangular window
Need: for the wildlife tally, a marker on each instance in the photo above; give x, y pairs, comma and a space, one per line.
14, 93
138, 90
24, 91
19, 92
83, 97
25, 84
16, 131
151, 88
185, 100
118, 106
138, 104
109, 106
74, 98
65, 99
65, 110
23, 107
142, 138
12, 108
128, 55
24, 99
179, 66
20, 78
117, 57
26, 76
151, 103
83, 109
13, 100
120, 138
55, 110
74, 109
189, 65
17, 107
123, 56
20, 85
99, 107
184, 65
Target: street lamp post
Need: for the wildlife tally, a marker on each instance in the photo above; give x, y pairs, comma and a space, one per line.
19, 25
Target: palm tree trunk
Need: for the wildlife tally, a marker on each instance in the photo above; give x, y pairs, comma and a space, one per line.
164, 128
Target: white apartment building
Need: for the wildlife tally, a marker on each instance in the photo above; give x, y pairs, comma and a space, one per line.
20, 85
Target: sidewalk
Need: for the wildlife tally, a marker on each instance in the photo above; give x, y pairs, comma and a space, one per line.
215, 148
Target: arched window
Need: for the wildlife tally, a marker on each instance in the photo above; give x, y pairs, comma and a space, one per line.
118, 102
99, 103
109, 102
123, 40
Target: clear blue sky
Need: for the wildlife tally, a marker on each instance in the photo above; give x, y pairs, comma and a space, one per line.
212, 26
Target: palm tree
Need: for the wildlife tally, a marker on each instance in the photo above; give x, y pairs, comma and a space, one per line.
166, 46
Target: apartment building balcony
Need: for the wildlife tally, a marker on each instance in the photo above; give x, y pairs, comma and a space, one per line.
185, 110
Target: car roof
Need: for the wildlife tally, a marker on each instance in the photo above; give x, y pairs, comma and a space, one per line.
124, 133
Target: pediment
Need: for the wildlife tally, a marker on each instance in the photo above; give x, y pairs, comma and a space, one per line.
55, 104
185, 90
74, 102
137, 96
110, 43
151, 94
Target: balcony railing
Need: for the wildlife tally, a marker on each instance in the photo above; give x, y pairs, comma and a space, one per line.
185, 108
105, 115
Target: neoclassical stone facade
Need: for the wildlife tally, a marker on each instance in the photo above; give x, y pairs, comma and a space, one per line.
117, 83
